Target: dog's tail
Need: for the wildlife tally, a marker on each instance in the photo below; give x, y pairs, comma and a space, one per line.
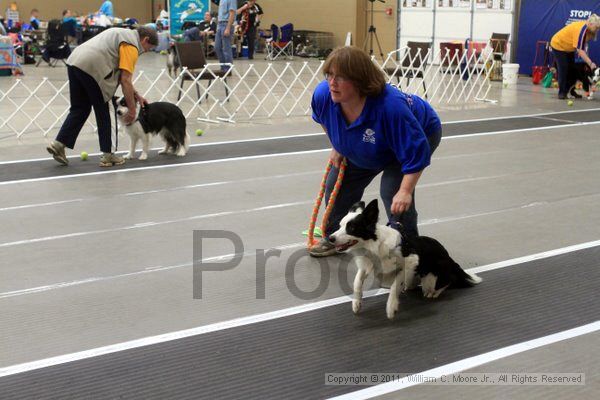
461, 278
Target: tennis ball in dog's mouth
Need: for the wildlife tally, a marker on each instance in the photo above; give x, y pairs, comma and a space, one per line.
199, 132
570, 102
84, 155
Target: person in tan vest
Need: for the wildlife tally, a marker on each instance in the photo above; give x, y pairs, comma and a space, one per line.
95, 70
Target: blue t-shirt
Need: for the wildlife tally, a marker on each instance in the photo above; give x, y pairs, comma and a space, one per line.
391, 127
34, 22
224, 7
107, 8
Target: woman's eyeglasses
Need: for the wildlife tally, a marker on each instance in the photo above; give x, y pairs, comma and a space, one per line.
335, 78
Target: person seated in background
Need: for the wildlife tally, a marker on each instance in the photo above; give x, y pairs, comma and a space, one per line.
34, 19
208, 25
206, 28
69, 24
107, 9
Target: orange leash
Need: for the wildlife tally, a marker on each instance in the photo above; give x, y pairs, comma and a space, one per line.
313, 219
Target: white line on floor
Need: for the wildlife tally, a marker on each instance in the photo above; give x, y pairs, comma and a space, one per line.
158, 268
75, 156
154, 167
171, 189
117, 171
471, 362
579, 124
52, 203
520, 116
146, 224
219, 326
314, 134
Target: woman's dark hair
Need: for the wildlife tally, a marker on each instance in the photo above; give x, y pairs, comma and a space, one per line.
355, 65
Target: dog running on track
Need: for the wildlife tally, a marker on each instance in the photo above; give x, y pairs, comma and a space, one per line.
159, 118
394, 258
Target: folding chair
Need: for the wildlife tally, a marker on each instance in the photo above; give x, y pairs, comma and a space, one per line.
191, 55
451, 54
499, 45
413, 63
281, 43
56, 47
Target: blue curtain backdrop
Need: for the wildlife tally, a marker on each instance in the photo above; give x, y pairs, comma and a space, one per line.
541, 19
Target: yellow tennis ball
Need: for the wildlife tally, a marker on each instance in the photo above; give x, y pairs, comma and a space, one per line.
199, 132
84, 155
570, 102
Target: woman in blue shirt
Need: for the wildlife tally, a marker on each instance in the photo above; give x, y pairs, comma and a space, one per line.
377, 128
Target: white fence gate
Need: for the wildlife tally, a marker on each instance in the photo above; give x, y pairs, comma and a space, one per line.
265, 91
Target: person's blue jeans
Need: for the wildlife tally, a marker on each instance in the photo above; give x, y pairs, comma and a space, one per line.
85, 94
223, 46
357, 179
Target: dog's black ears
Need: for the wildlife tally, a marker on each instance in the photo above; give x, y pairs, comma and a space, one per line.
371, 212
360, 205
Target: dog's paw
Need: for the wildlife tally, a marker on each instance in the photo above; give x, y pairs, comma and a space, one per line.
164, 151
181, 153
143, 156
128, 156
356, 304
391, 308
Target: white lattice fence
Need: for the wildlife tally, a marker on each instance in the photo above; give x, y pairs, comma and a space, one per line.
254, 92
440, 77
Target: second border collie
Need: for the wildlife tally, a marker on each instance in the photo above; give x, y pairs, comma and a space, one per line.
159, 118
394, 258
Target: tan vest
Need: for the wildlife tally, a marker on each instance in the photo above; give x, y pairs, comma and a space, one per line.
99, 57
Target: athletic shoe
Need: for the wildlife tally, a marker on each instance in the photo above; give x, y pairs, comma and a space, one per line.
110, 159
57, 149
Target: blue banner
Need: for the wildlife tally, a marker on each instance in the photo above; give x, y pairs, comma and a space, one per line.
186, 10
541, 19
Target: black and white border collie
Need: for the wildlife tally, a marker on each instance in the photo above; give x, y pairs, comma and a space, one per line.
159, 118
397, 260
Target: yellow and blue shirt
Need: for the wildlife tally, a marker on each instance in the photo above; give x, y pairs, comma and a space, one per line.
393, 126
570, 38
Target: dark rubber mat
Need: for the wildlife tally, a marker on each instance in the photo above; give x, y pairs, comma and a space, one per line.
49, 168
288, 358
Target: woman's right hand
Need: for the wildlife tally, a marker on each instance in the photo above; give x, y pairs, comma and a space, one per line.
335, 158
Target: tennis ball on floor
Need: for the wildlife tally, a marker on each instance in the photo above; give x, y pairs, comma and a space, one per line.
84, 155
570, 102
199, 132
505, 85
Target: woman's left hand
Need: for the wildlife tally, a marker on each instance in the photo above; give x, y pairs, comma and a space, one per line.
401, 202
